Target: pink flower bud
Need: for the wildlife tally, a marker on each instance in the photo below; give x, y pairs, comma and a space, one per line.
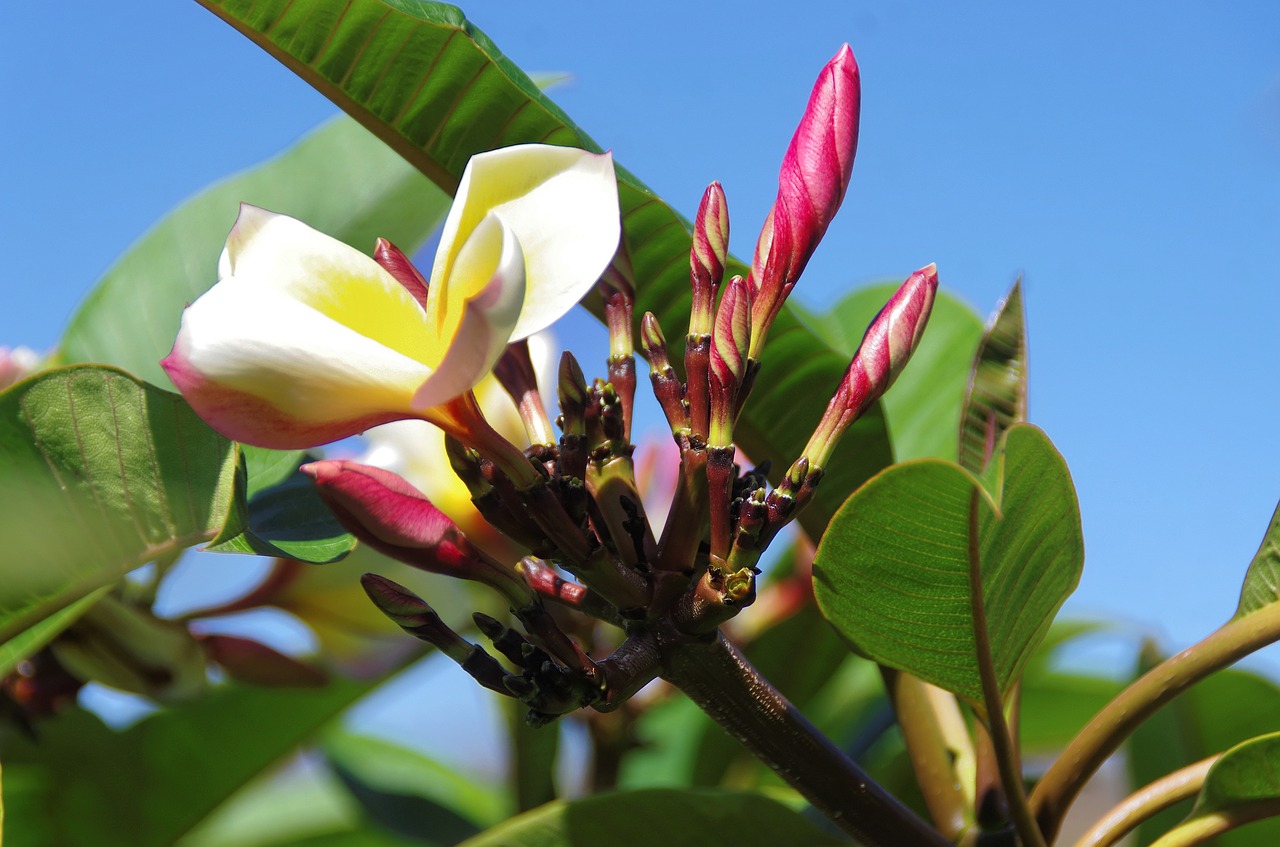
390, 515
888, 343
811, 184
707, 256
729, 341
891, 339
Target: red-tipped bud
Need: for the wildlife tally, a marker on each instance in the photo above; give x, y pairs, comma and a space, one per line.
811, 184
731, 334
391, 516
396, 263
707, 256
891, 338
654, 344
729, 342
886, 346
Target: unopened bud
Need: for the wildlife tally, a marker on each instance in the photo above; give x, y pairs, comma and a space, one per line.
572, 390
707, 257
811, 185
396, 519
886, 347
729, 342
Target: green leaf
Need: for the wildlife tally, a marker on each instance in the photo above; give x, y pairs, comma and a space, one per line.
1243, 779
131, 316
923, 406
287, 519
148, 785
432, 86
996, 396
410, 794
99, 473
1220, 712
1262, 580
30, 640
892, 573
658, 816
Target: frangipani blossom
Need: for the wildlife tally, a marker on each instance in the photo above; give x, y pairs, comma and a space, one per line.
305, 340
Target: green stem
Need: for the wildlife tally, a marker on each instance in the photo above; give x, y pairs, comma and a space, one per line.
1147, 801
1201, 830
1118, 719
1001, 741
939, 747
725, 686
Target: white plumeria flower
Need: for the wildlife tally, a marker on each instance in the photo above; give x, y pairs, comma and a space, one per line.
305, 340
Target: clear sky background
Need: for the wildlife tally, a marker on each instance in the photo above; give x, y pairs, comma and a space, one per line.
1124, 157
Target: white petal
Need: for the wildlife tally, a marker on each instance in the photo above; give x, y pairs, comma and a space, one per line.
489, 273
259, 341
562, 204
282, 254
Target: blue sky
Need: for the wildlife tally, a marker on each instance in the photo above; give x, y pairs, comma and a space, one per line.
1124, 157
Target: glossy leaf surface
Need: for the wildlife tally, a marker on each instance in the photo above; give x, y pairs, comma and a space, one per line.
893, 572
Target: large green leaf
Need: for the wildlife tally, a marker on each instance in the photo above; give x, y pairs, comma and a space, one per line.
339, 179
923, 406
86, 784
99, 474
658, 816
437, 90
1262, 580
996, 396
892, 573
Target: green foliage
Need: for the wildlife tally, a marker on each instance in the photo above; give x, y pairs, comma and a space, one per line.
996, 396
286, 519
893, 572
658, 816
1244, 785
1204, 721
1262, 580
410, 794
86, 784
102, 473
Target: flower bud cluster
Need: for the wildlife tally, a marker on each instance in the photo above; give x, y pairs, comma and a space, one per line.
572, 504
